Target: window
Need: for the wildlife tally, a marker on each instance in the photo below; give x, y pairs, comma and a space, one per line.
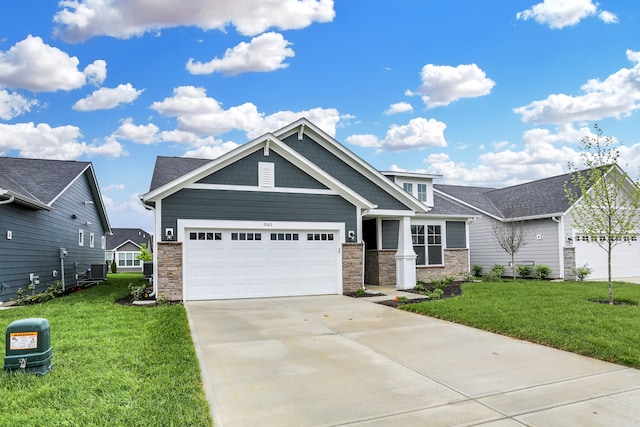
408, 187
202, 235
108, 257
320, 236
128, 259
91, 240
246, 236
285, 236
427, 244
80, 237
422, 192
103, 242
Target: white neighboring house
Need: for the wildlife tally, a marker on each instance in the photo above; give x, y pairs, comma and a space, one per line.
124, 245
553, 242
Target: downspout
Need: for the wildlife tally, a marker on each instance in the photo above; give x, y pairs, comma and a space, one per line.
154, 277
9, 200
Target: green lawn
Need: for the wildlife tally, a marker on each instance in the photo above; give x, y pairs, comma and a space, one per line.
113, 365
556, 314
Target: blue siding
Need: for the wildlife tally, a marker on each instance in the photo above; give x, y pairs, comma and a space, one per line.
38, 236
343, 172
256, 206
245, 172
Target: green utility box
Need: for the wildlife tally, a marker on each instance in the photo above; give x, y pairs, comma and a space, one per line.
28, 346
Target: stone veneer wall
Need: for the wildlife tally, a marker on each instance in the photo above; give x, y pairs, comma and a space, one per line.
456, 261
569, 263
352, 266
169, 264
381, 267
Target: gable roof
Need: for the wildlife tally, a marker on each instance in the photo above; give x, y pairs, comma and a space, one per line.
39, 182
120, 236
184, 171
543, 197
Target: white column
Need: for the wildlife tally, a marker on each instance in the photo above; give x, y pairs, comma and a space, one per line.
405, 257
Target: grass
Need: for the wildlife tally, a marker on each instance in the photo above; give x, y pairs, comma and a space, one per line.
112, 364
556, 314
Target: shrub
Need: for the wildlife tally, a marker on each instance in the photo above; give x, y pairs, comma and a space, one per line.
139, 291
524, 270
581, 273
114, 266
476, 270
498, 269
419, 286
448, 280
494, 274
360, 292
436, 294
439, 283
543, 272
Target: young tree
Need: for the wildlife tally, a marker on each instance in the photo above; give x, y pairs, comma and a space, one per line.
605, 199
512, 234
144, 254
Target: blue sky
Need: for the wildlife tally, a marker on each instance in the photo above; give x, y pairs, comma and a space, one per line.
483, 92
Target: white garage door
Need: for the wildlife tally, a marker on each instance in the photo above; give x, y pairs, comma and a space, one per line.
625, 258
250, 263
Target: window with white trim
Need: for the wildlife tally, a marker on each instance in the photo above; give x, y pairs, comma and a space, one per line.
422, 192
408, 187
80, 237
128, 259
91, 240
427, 244
103, 242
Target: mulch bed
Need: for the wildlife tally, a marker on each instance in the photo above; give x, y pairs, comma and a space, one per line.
366, 295
452, 290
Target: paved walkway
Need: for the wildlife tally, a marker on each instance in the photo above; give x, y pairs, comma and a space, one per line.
338, 361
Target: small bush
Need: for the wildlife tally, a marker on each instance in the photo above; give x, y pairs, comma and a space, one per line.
524, 270
494, 274
476, 270
360, 292
114, 266
419, 287
543, 272
439, 283
581, 273
449, 279
139, 291
436, 294
498, 269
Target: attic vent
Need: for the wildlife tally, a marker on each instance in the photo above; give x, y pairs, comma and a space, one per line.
266, 175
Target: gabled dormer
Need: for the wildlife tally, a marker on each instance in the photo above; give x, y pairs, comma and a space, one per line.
419, 185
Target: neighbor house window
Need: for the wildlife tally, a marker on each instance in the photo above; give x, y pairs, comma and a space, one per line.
80, 237
108, 256
91, 240
103, 242
128, 259
427, 244
408, 187
422, 192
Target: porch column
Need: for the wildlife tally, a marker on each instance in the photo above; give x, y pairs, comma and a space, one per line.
405, 257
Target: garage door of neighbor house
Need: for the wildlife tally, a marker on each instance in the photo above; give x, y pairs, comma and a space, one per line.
250, 263
625, 260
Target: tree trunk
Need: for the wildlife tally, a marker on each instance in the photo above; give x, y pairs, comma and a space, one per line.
609, 274
513, 265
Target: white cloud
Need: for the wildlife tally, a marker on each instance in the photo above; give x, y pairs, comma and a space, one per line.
398, 107
419, 133
111, 187
108, 98
617, 96
96, 72
130, 211
443, 84
80, 20
31, 64
558, 14
264, 53
143, 134
46, 142
13, 104
197, 113
543, 153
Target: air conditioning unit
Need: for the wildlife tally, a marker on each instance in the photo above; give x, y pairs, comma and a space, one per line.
147, 269
97, 272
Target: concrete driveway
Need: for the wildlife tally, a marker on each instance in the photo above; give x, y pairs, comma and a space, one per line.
335, 361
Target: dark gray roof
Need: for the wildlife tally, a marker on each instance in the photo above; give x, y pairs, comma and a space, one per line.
169, 168
542, 197
123, 235
445, 206
38, 179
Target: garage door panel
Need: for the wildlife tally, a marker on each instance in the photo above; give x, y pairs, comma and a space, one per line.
625, 259
289, 265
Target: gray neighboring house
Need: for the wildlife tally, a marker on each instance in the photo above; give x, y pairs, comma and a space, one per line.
294, 212
124, 245
53, 223
554, 241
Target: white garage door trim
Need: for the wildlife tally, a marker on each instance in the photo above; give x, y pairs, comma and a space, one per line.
625, 258
267, 286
